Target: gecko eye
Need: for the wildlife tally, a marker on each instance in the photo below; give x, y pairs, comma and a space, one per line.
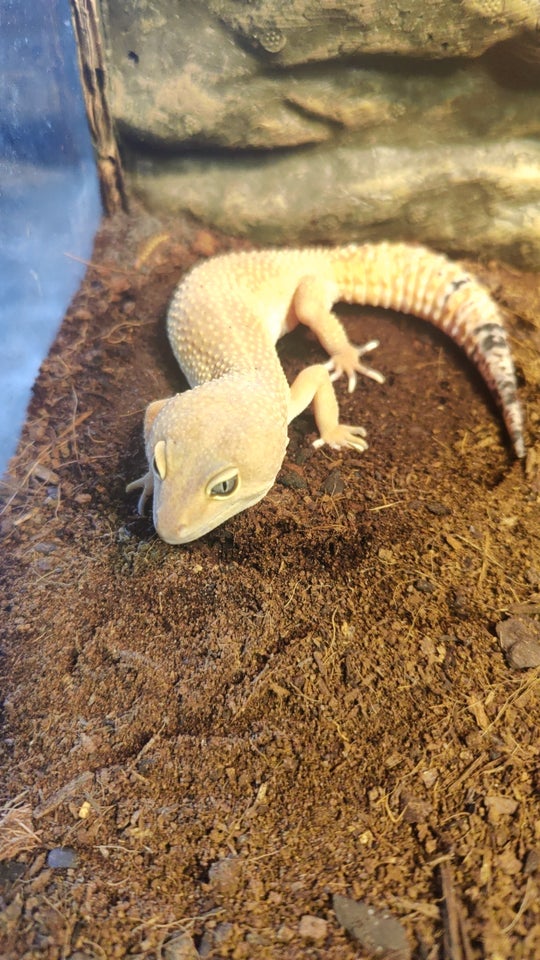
224, 485
159, 462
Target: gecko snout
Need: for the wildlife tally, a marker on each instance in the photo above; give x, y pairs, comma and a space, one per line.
179, 534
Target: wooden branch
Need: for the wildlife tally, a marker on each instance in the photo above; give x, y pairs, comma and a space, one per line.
93, 67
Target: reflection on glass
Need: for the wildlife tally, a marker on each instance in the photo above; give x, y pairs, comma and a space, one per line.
49, 195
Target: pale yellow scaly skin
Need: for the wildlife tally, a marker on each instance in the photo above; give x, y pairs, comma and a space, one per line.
216, 449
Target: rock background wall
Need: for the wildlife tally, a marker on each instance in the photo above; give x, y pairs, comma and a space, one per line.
303, 120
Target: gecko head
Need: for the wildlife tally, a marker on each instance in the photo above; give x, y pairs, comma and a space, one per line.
214, 451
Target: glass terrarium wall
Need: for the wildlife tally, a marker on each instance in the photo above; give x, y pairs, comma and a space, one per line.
49, 194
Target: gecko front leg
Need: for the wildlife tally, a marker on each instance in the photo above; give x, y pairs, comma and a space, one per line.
146, 483
314, 385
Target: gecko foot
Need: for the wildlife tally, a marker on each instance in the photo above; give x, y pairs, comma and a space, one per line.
343, 435
347, 361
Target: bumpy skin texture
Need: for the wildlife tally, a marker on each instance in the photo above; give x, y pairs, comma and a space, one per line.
216, 449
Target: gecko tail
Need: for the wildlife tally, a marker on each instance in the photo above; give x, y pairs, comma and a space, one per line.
417, 281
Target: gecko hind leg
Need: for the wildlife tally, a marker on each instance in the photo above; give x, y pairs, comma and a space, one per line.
312, 301
348, 361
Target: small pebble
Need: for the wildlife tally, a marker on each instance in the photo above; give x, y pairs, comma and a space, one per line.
429, 777
333, 483
11, 870
438, 509
285, 934
224, 875
45, 547
180, 947
61, 858
498, 807
532, 862
222, 933
206, 944
424, 586
520, 639
415, 809
313, 928
292, 480
376, 930
41, 472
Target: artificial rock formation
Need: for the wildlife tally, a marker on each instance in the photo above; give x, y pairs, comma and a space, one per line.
296, 121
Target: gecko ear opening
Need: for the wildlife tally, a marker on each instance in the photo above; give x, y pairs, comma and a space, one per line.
159, 462
151, 413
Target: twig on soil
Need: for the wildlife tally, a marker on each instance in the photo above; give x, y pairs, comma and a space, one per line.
73, 421
95, 946
485, 562
467, 772
408, 906
524, 686
184, 923
387, 506
263, 674
59, 796
129, 326
457, 945
102, 267
522, 907
483, 550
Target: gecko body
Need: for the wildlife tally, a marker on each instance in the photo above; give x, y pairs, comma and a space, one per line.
217, 448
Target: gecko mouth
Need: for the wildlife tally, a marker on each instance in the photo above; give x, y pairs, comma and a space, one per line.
179, 532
